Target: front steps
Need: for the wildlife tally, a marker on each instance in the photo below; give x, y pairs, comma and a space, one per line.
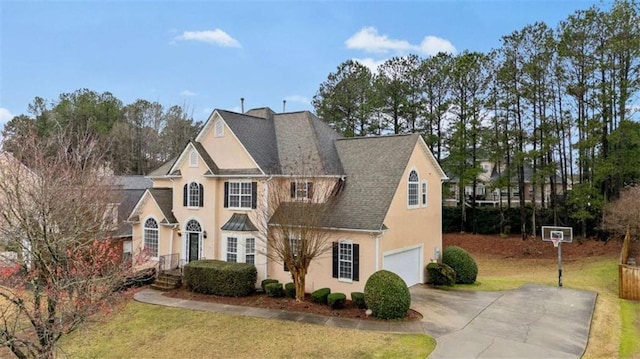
168, 280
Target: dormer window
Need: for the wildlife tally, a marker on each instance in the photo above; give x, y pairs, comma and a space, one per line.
193, 159
301, 190
219, 129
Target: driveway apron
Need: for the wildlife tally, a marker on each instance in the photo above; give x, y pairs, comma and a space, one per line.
533, 321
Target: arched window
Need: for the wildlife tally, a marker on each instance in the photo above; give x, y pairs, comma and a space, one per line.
193, 195
193, 226
193, 159
412, 189
151, 237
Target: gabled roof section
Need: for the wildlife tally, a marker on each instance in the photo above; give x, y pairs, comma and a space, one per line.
374, 167
197, 146
306, 145
163, 197
133, 182
163, 170
257, 135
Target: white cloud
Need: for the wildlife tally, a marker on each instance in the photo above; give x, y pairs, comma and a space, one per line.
369, 40
432, 45
216, 37
5, 116
298, 98
370, 63
187, 93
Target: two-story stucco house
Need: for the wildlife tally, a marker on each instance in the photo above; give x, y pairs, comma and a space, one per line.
387, 215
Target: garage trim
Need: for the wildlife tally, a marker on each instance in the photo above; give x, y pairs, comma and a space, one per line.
406, 249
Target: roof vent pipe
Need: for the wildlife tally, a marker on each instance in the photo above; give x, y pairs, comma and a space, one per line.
284, 105
242, 104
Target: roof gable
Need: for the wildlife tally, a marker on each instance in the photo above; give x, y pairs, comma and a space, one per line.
163, 198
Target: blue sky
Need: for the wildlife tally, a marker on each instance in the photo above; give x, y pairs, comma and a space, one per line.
207, 55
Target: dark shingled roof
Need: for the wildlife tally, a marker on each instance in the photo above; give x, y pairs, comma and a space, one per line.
239, 222
164, 169
128, 201
374, 167
205, 157
132, 182
164, 199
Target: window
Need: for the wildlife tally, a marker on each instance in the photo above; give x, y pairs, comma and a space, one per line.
241, 195
301, 190
193, 159
232, 249
485, 167
219, 129
346, 261
240, 249
412, 189
193, 194
294, 246
151, 237
250, 250
424, 193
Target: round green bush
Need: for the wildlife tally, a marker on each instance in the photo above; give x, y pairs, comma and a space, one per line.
461, 262
387, 295
440, 274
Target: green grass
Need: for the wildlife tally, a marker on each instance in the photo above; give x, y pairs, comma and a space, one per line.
143, 330
630, 317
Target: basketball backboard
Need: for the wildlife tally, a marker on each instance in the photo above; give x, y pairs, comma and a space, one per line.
557, 234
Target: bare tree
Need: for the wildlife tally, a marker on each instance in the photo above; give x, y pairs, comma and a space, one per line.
293, 223
55, 214
623, 214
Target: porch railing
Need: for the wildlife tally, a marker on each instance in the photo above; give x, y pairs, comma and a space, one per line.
168, 262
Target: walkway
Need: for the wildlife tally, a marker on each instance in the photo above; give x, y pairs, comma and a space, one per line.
529, 322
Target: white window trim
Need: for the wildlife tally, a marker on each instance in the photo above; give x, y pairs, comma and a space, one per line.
144, 244
189, 206
240, 195
417, 205
306, 190
241, 247
350, 243
185, 239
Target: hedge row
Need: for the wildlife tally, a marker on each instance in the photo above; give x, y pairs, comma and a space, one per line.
220, 277
493, 220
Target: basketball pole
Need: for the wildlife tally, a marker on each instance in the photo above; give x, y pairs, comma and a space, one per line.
560, 264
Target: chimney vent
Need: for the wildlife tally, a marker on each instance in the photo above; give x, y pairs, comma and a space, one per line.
284, 105
242, 104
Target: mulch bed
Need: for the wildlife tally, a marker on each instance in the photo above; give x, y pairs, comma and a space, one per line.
261, 300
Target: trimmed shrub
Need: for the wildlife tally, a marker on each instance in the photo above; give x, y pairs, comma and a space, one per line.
440, 274
387, 295
290, 290
358, 299
267, 281
220, 278
320, 295
462, 263
336, 300
274, 290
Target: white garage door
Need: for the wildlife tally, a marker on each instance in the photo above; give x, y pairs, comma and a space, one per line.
406, 264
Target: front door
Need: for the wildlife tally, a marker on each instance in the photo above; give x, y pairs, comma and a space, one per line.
194, 245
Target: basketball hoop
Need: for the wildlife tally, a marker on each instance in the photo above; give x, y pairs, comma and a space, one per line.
557, 235
556, 242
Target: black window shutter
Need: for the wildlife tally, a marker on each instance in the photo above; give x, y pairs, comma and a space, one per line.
335, 259
293, 190
309, 190
201, 195
286, 269
356, 262
254, 194
226, 195
184, 195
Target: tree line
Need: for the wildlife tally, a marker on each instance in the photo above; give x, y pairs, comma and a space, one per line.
134, 138
560, 102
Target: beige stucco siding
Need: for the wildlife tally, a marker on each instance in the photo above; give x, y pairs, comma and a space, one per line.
149, 209
421, 226
321, 270
226, 151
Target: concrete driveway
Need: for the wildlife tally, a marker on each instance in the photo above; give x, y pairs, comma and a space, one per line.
533, 321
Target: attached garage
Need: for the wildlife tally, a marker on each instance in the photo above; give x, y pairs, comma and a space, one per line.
406, 262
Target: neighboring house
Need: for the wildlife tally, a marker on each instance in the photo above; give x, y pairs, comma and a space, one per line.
387, 216
488, 195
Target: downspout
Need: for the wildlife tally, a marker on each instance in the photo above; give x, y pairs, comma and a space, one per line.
266, 226
377, 252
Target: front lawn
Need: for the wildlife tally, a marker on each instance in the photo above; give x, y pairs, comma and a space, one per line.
145, 331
